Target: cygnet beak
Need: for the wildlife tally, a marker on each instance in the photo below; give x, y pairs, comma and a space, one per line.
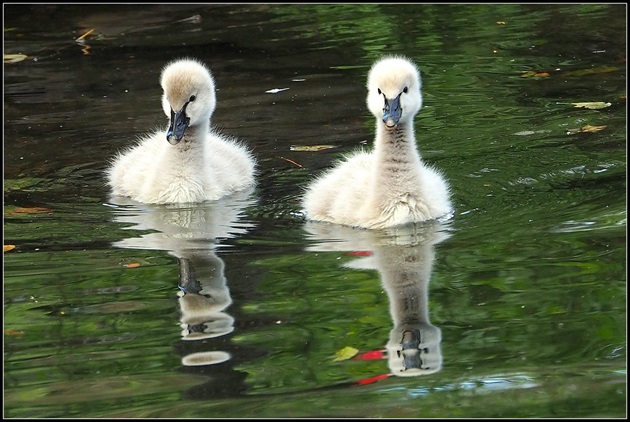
410, 344
392, 112
179, 123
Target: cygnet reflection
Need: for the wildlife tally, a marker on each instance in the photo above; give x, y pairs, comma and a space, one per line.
203, 297
403, 257
192, 233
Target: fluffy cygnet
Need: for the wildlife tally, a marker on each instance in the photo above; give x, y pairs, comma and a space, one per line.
189, 162
391, 185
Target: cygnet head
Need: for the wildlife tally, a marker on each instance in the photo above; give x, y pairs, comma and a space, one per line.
394, 91
189, 97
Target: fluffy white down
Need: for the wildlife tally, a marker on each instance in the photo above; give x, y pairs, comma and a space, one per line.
203, 166
390, 185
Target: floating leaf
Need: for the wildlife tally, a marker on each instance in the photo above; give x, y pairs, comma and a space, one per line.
345, 353
535, 74
372, 379
311, 147
594, 105
14, 58
593, 71
11, 332
8, 248
30, 210
585, 129
132, 265
501, 22
373, 355
292, 162
192, 19
589, 128
85, 35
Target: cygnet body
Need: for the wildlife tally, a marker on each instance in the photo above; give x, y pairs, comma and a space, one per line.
391, 185
189, 162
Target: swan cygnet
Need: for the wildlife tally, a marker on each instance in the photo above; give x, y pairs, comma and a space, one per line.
189, 162
391, 185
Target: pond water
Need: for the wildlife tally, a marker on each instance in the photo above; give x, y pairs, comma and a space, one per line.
240, 308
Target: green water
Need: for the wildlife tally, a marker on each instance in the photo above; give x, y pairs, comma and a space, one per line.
526, 283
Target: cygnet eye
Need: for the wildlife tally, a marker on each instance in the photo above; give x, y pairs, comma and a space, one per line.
379, 91
194, 97
405, 90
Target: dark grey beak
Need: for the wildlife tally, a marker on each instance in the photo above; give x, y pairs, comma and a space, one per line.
410, 344
392, 112
179, 123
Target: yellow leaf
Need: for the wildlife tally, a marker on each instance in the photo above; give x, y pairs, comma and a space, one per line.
595, 105
14, 58
311, 147
11, 332
345, 353
7, 248
85, 35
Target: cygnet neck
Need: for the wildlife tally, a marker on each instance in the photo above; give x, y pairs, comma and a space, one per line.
399, 141
405, 273
395, 151
193, 142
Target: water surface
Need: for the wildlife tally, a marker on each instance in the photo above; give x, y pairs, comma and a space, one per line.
240, 308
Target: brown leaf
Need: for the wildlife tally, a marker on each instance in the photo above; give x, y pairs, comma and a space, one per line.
535, 74
8, 248
585, 129
132, 265
292, 162
29, 210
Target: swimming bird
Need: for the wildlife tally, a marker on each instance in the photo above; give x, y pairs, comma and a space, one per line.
390, 185
190, 161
